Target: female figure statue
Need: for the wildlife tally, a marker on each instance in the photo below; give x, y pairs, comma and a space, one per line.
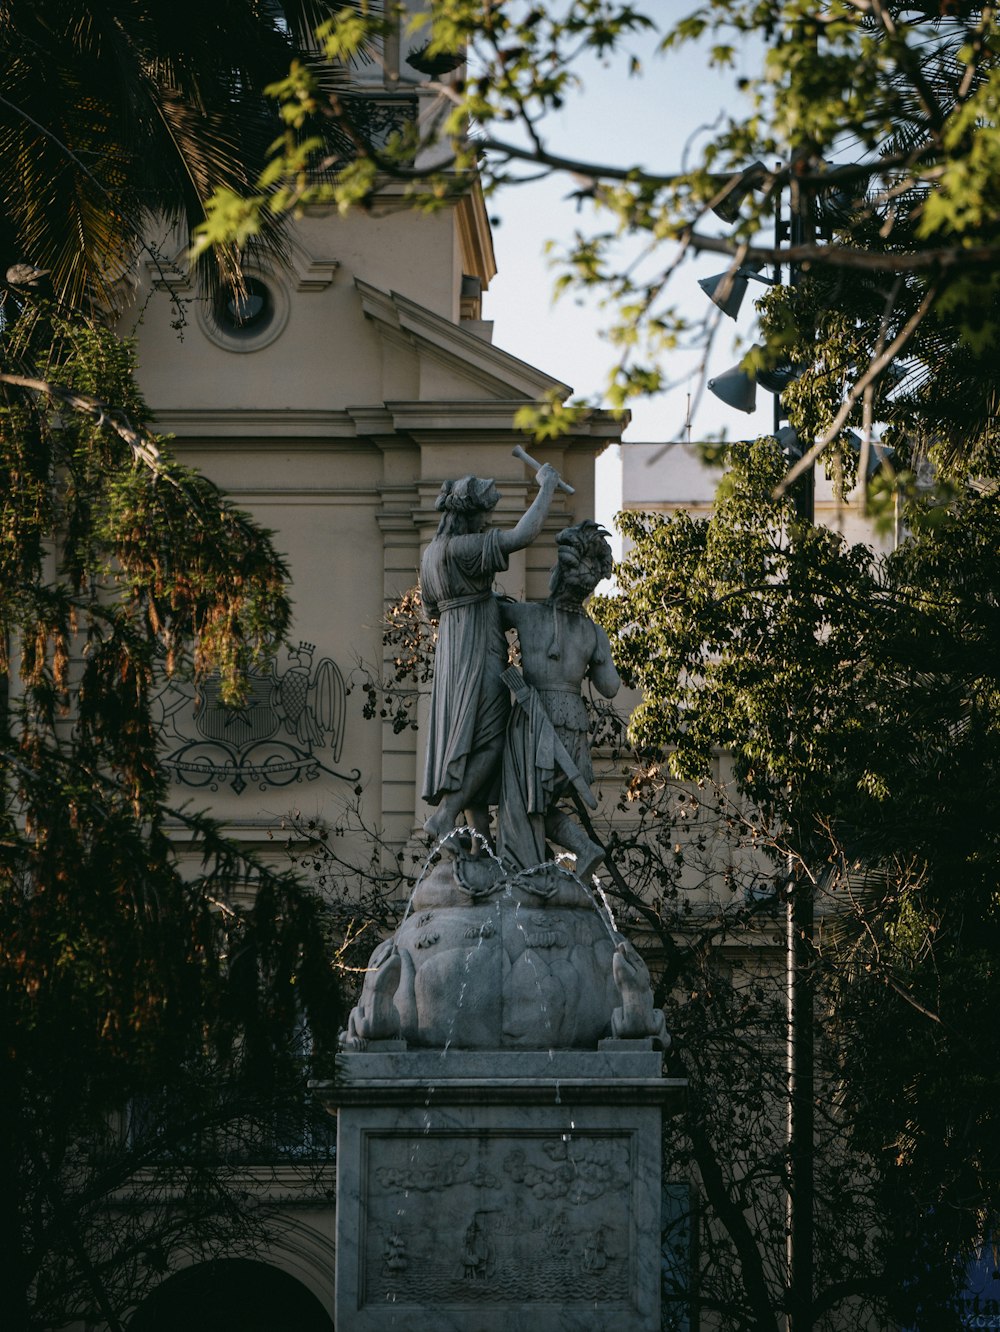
469, 703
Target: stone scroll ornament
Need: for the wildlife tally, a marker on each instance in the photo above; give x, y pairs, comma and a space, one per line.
290, 727
502, 946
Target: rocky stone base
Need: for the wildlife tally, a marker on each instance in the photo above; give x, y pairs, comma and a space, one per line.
488, 961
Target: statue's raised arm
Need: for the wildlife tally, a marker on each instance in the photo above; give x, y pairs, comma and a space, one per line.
469, 702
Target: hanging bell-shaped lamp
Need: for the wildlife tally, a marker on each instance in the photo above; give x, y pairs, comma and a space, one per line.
878, 454
735, 188
726, 290
735, 388
777, 379
788, 443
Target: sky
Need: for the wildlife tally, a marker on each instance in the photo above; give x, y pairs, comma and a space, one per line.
614, 118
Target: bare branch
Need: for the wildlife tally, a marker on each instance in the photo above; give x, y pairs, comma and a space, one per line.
875, 368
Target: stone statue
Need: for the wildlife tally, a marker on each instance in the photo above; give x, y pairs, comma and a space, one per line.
489, 955
637, 1016
469, 703
547, 753
375, 1017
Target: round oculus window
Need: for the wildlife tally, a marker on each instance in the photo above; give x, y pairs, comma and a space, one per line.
248, 317
246, 313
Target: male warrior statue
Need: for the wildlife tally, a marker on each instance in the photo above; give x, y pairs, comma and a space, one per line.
547, 753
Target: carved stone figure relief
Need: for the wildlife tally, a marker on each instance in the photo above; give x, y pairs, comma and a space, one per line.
459, 1222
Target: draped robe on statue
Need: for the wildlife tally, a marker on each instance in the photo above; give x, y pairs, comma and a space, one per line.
469, 703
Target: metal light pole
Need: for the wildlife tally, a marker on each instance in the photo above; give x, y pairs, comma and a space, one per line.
799, 905
799, 929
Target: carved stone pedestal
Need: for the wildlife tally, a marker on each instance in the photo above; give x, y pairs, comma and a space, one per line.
499, 1191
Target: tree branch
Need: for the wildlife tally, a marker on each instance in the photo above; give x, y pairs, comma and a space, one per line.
143, 447
874, 370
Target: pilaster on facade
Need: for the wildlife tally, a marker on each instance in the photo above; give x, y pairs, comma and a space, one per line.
400, 571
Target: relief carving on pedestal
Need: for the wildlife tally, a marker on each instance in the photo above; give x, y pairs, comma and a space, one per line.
512, 1218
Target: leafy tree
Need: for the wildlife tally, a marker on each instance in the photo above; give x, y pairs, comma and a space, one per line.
141, 951
185, 1169
857, 696
131, 961
118, 119
883, 118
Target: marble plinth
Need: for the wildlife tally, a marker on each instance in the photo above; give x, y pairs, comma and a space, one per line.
488, 1190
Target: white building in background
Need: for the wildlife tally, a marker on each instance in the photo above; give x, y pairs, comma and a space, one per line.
665, 478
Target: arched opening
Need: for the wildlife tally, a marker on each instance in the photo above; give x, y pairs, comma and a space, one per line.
231, 1295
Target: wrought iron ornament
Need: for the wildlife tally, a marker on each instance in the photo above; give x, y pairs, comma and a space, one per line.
290, 728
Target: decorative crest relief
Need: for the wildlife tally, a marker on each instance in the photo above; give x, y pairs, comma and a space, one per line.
290, 727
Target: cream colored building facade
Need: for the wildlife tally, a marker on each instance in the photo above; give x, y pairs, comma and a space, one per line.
371, 379
346, 388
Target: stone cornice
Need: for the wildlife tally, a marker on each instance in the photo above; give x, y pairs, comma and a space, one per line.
504, 375
312, 274
386, 425
294, 423
309, 273
485, 418
474, 415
